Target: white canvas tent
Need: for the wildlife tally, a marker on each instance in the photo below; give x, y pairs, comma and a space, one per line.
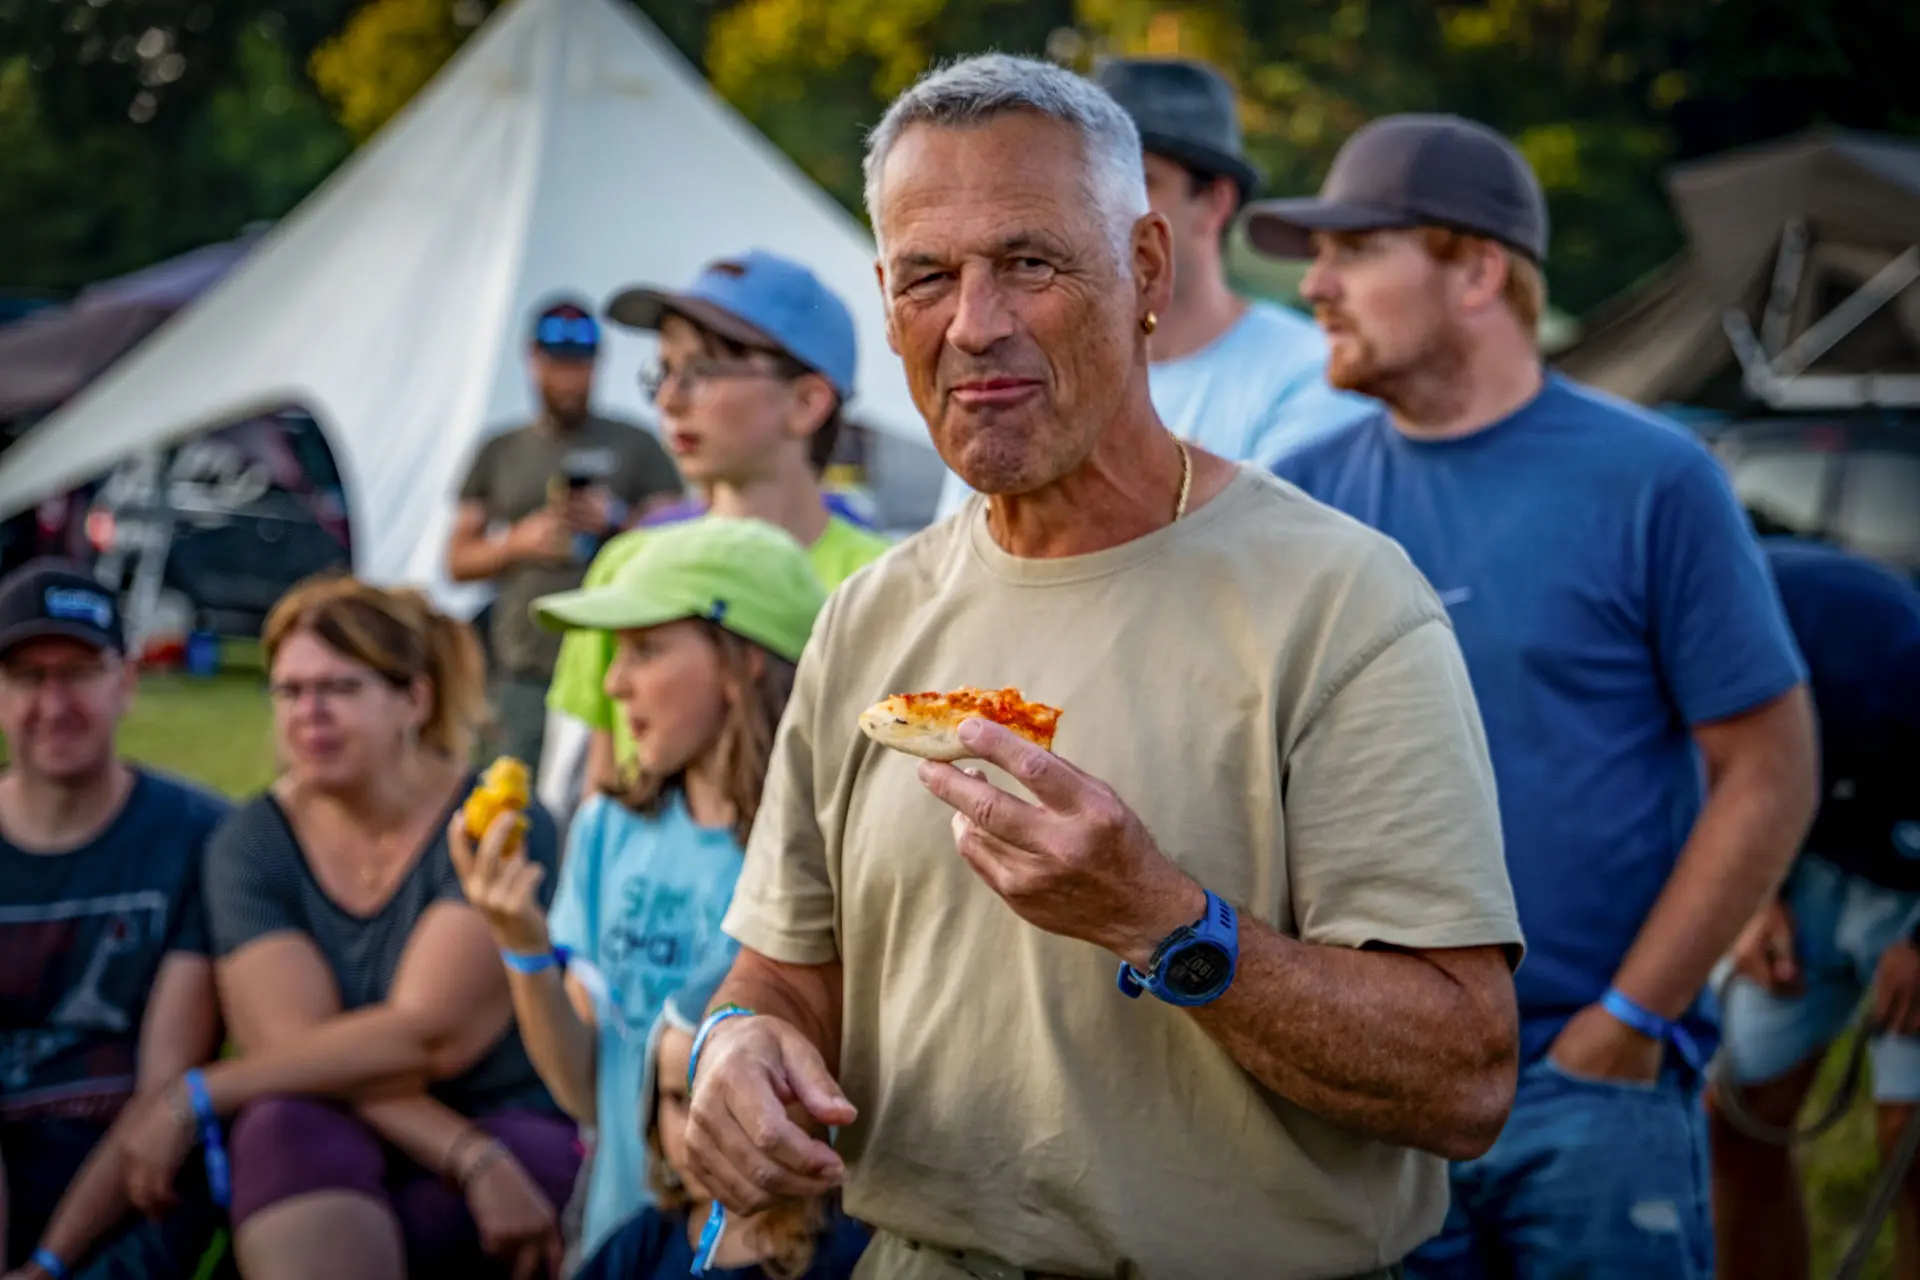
567, 148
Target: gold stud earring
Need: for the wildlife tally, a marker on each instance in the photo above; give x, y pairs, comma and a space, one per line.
1149, 322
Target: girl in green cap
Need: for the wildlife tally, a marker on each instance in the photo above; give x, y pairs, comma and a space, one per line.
709, 618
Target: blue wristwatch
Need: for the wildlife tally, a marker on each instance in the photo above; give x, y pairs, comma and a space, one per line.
1194, 965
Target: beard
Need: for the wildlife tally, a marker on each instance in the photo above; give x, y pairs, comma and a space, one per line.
1427, 384
564, 408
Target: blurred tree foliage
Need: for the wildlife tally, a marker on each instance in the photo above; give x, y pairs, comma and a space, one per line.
134, 128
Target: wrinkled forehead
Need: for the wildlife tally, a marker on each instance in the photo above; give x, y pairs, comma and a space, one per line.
55, 653
958, 190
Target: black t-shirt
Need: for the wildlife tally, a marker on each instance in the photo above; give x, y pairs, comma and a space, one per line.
258, 882
1858, 627
82, 935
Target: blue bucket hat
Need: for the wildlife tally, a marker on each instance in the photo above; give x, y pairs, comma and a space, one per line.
762, 300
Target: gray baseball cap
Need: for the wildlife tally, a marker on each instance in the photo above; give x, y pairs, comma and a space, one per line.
1414, 171
1185, 110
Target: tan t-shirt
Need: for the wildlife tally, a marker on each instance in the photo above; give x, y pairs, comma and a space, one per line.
1276, 691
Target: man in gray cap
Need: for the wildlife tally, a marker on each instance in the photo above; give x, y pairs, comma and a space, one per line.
1240, 379
1620, 629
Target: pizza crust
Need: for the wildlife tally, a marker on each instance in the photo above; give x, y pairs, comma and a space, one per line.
927, 725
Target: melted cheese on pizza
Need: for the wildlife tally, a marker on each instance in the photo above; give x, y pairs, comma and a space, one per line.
1033, 721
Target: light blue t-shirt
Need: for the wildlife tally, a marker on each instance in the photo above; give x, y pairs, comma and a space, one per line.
1251, 394
640, 899
1609, 596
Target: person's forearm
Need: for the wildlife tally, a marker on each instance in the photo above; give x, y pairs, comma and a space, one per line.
603, 769
1386, 1043
367, 1050
805, 995
94, 1203
564, 1049
1734, 861
432, 1134
478, 558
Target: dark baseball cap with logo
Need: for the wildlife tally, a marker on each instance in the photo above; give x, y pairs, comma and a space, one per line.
566, 330
57, 599
1414, 171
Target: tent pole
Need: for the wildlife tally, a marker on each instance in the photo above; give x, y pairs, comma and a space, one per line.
1850, 314
1777, 322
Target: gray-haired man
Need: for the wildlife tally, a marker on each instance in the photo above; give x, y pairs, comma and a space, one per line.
1242, 379
939, 962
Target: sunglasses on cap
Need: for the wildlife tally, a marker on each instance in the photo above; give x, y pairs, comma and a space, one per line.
567, 331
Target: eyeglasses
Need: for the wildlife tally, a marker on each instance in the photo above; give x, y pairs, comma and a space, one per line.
567, 331
327, 689
694, 373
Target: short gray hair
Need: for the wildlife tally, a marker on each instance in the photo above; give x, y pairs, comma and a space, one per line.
974, 90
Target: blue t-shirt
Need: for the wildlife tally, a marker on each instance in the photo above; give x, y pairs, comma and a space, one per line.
654, 1246
1858, 626
1250, 395
82, 936
1608, 595
640, 899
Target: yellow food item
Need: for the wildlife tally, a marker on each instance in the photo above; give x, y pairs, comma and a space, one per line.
504, 788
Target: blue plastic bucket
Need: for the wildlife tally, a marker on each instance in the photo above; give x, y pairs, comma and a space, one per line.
203, 653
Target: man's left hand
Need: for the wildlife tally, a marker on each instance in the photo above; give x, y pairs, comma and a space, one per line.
1079, 863
1599, 1046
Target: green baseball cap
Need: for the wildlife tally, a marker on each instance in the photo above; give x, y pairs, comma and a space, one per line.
748, 576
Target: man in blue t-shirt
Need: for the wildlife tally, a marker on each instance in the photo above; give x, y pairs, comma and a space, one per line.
1642, 696
106, 989
1844, 924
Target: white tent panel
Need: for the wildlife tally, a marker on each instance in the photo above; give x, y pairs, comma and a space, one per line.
567, 149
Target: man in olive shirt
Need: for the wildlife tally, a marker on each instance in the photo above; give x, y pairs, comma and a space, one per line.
1215, 987
537, 504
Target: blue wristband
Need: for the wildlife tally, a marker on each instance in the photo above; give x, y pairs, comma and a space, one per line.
1653, 1026
219, 1180
49, 1261
714, 1019
535, 963
716, 1226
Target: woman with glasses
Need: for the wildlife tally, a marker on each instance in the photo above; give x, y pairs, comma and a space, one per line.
756, 362
386, 1120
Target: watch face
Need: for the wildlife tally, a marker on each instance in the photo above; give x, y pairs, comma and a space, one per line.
1197, 970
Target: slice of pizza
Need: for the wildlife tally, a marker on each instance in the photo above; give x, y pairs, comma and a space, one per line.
928, 724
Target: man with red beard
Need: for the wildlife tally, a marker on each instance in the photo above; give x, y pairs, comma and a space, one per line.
1620, 630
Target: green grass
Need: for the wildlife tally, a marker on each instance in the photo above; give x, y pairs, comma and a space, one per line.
215, 731
218, 732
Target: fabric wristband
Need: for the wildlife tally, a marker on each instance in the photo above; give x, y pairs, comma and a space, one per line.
714, 1019
1653, 1026
219, 1181
716, 1226
51, 1263
522, 963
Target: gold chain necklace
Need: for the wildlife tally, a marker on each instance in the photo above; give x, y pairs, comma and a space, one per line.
1186, 477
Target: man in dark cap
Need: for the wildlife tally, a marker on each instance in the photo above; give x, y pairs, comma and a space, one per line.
1621, 632
106, 987
538, 503
1240, 379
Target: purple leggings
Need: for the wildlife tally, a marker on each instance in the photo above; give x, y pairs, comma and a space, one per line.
292, 1146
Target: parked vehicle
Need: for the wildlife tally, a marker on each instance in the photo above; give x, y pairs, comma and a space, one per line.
1850, 478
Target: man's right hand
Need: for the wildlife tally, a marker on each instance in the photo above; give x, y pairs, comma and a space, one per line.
761, 1097
544, 537
1765, 954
